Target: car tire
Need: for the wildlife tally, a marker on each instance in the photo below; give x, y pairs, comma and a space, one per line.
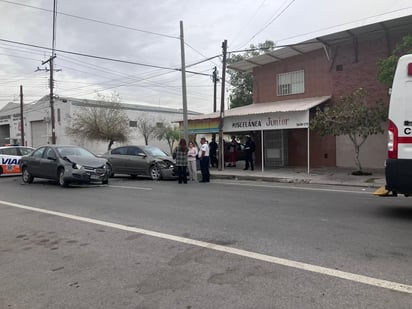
154, 172
105, 180
26, 176
109, 171
63, 183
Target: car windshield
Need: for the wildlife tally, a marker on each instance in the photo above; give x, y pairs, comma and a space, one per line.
155, 152
25, 151
74, 151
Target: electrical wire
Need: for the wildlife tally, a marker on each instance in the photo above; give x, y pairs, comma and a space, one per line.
275, 17
92, 20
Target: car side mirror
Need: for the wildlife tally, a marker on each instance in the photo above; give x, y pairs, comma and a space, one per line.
141, 154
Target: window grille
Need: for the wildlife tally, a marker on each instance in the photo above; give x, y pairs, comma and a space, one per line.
290, 83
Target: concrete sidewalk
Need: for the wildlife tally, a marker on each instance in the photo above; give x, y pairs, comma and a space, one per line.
330, 176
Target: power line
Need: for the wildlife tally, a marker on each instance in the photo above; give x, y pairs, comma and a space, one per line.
101, 57
270, 22
92, 20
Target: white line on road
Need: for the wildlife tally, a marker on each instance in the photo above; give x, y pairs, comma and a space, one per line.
395, 286
135, 188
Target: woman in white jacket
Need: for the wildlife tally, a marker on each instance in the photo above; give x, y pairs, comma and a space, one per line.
191, 161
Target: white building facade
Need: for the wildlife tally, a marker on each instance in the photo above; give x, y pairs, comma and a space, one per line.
38, 125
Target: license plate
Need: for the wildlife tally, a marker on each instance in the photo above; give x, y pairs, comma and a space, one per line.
94, 177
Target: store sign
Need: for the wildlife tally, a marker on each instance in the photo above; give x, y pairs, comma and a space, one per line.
271, 121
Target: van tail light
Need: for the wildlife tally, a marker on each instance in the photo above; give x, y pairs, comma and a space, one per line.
392, 140
410, 69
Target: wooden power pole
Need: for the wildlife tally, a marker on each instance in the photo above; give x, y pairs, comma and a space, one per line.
21, 118
222, 107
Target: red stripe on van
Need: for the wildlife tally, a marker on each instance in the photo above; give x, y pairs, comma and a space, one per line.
405, 140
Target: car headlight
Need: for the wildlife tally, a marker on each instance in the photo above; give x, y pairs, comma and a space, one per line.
77, 166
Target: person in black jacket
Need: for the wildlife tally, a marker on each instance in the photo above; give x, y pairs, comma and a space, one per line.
249, 149
213, 152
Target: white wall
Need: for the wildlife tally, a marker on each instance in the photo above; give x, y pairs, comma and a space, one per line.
372, 153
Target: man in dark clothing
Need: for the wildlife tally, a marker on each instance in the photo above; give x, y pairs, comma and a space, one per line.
249, 149
213, 152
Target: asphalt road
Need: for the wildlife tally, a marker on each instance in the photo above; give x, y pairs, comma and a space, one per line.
143, 244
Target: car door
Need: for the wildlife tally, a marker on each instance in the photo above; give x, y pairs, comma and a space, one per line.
117, 159
33, 162
48, 163
135, 162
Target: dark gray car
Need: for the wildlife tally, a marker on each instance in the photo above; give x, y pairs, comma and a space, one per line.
65, 164
136, 161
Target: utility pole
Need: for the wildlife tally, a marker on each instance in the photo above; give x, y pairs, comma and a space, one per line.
215, 79
182, 52
52, 120
21, 117
222, 107
51, 85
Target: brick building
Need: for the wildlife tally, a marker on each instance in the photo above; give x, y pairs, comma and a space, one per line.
294, 79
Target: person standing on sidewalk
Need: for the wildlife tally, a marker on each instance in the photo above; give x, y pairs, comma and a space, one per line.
204, 160
213, 152
232, 152
180, 154
249, 149
191, 160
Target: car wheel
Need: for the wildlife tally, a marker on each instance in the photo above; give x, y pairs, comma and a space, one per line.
105, 180
109, 171
63, 183
154, 172
26, 176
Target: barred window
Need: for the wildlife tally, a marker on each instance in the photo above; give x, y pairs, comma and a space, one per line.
133, 124
291, 83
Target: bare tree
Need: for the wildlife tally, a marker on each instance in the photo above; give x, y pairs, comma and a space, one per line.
102, 120
146, 126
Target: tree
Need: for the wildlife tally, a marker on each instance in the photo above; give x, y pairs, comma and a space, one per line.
351, 116
169, 133
147, 127
102, 120
242, 82
387, 67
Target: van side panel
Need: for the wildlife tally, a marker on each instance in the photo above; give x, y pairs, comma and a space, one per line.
398, 169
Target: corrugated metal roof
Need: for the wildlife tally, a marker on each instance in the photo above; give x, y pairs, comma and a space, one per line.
293, 105
321, 42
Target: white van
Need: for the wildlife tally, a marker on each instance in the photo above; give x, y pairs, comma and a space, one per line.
398, 166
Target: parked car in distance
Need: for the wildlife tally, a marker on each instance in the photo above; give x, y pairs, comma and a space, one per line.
147, 161
65, 164
10, 158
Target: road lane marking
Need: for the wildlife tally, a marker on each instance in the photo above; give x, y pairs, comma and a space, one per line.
126, 187
390, 285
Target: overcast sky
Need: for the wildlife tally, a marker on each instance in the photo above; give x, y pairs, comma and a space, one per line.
146, 33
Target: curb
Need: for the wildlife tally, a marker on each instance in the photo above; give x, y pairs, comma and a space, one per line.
294, 180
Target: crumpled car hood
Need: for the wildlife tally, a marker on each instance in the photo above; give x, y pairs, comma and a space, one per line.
92, 162
167, 158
